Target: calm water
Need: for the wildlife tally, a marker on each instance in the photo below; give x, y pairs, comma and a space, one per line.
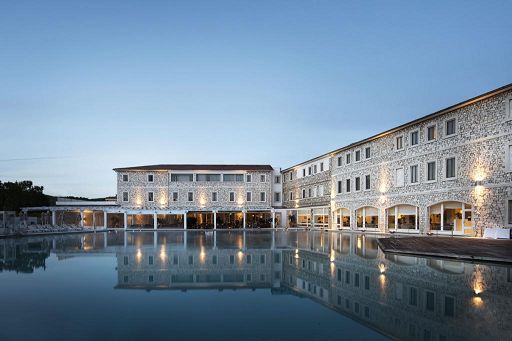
235, 285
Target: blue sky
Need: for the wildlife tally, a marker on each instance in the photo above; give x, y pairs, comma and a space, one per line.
86, 86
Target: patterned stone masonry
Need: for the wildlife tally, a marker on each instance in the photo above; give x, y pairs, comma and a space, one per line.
480, 146
314, 184
138, 188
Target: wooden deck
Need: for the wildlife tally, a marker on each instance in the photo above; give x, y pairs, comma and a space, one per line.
473, 249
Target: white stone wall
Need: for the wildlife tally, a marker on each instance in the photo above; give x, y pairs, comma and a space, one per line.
138, 188
479, 145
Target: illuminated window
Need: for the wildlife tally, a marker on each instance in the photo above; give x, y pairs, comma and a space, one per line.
431, 133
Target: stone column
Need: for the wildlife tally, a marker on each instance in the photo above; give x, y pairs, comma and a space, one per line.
155, 221
185, 220
125, 220
93, 221
273, 219
54, 218
244, 219
105, 225
214, 220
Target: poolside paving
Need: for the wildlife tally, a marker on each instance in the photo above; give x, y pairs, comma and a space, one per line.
474, 249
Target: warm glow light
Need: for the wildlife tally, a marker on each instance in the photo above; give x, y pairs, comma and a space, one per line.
163, 253
359, 242
202, 255
333, 256
296, 253
138, 255
382, 268
240, 256
477, 302
382, 199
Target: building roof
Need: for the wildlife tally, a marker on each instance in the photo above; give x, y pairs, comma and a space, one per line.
182, 167
405, 125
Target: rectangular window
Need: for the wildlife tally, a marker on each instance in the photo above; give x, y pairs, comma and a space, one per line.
347, 277
314, 169
429, 301
413, 296
263, 197
214, 260
399, 143
367, 152
348, 158
263, 178
277, 179
277, 196
509, 210
125, 196
431, 133
309, 193
214, 196
248, 196
190, 259
291, 195
262, 259
339, 187
208, 177
415, 138
291, 176
231, 196
231, 259
150, 260
182, 177
174, 196
248, 259
233, 177
339, 161
339, 275
321, 166
190, 196
414, 174
450, 127
248, 178
509, 158
431, 171
303, 193
309, 170
150, 197
304, 172
450, 168
150, 177
366, 282
358, 155
358, 183
125, 177
449, 306
367, 182
348, 185
356, 280
399, 177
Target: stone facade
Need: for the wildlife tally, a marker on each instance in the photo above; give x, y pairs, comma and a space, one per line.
482, 174
301, 189
380, 169
138, 188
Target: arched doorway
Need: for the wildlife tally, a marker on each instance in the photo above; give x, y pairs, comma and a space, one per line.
367, 217
342, 218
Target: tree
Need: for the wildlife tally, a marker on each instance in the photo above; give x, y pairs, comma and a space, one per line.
15, 195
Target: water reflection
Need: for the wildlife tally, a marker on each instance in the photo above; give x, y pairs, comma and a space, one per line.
402, 297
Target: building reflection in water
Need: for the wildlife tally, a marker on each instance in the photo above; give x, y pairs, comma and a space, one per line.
403, 297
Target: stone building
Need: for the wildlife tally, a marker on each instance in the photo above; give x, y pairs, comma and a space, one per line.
199, 196
446, 173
